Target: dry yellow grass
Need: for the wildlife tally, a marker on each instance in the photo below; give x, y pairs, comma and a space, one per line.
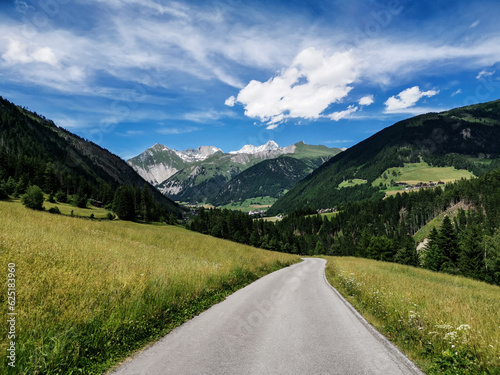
435, 318
76, 275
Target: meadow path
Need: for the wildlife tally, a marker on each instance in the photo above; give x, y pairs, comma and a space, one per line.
289, 322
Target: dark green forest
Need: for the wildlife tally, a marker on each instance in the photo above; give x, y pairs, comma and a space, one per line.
36, 152
468, 244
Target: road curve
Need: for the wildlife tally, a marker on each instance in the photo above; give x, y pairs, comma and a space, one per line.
288, 322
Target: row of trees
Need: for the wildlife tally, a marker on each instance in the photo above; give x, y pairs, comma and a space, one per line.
129, 202
384, 229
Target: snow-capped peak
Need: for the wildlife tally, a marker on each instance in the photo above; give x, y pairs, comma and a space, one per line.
198, 154
251, 149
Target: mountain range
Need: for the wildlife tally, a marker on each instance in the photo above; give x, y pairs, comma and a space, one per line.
201, 175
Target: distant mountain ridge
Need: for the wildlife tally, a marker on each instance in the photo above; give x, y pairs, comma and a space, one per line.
198, 175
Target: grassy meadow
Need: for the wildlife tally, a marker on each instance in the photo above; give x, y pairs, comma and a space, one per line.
414, 173
445, 324
251, 204
91, 292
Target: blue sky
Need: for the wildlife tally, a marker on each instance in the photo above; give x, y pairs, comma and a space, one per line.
130, 73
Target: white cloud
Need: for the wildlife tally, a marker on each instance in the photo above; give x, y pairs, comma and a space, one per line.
407, 98
459, 91
336, 116
305, 89
485, 73
366, 100
474, 24
230, 101
19, 51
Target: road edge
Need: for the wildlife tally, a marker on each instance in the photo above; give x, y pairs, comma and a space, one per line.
393, 349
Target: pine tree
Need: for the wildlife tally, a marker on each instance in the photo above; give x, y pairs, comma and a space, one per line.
147, 204
448, 244
433, 258
471, 260
123, 203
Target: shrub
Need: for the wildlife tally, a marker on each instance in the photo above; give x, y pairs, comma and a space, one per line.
54, 210
33, 198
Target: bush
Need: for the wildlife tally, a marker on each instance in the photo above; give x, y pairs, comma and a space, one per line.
51, 198
79, 201
110, 216
54, 210
33, 198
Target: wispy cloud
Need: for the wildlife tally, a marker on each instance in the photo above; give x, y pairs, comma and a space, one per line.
132, 133
336, 116
177, 130
485, 73
474, 24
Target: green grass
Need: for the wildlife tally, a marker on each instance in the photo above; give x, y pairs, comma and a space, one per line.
414, 173
91, 292
66, 209
424, 232
251, 204
353, 182
445, 324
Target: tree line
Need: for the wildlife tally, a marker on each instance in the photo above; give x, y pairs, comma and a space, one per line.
467, 244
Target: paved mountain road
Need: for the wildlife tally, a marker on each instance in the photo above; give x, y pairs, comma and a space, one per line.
289, 322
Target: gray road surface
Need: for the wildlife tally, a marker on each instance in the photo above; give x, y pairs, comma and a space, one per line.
289, 322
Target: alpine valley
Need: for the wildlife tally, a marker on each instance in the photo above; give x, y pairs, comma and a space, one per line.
208, 175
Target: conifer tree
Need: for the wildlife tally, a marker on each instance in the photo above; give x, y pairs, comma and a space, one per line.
471, 260
123, 203
448, 244
433, 258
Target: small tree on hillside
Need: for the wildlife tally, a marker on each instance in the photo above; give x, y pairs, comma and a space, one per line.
33, 198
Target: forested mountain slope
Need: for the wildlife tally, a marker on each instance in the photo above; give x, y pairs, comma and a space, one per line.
34, 151
465, 138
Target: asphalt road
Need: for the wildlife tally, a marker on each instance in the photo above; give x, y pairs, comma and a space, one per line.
289, 322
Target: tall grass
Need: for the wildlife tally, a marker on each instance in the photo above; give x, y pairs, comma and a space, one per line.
446, 324
89, 293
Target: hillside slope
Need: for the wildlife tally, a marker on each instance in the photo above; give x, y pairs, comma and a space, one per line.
465, 137
93, 292
267, 178
34, 147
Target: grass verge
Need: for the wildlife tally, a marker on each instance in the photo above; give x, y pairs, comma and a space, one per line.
90, 293
445, 324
